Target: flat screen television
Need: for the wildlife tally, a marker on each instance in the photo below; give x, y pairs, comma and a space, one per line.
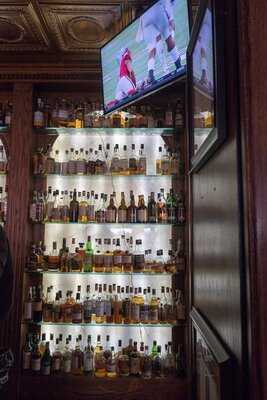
147, 55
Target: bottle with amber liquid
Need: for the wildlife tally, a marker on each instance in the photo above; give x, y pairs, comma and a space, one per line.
122, 210
77, 359
152, 209
117, 306
111, 213
117, 258
132, 210
74, 208
77, 310
141, 210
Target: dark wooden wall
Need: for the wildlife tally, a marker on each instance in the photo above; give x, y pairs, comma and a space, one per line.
253, 72
216, 229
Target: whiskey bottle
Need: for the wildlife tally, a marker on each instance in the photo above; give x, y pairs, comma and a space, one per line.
26, 354
56, 359
67, 359
135, 366
111, 214
139, 257
91, 206
124, 163
35, 358
28, 306
98, 257
88, 358
126, 308
87, 306
122, 210
77, 359
157, 364
169, 361
83, 208
117, 258
74, 208
99, 360
171, 205
89, 256
152, 209
37, 305
100, 307
38, 117
141, 210
132, 210
147, 365
108, 256
123, 363
77, 310
133, 165
154, 308
111, 364
142, 160
117, 306
46, 361
135, 308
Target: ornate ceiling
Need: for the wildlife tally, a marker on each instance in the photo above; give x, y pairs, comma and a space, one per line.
58, 34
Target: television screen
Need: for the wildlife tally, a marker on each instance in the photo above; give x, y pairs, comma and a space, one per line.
149, 53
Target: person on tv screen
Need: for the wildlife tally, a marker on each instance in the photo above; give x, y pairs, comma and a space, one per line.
157, 25
127, 82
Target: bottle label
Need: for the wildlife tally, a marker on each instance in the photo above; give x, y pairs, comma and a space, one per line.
100, 308
115, 165
76, 362
26, 363
142, 165
135, 365
108, 260
38, 119
81, 167
72, 167
91, 212
82, 211
98, 259
144, 313
122, 216
37, 306
88, 362
28, 310
108, 309
124, 367
139, 261
133, 164
154, 314
135, 312
77, 316
142, 215
56, 364
67, 366
46, 369
64, 168
127, 259
36, 364
111, 365
87, 309
111, 215
117, 259
123, 164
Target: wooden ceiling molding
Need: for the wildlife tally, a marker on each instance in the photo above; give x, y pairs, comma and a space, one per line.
79, 28
20, 29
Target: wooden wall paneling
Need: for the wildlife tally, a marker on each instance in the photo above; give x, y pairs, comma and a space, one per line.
252, 69
18, 228
216, 228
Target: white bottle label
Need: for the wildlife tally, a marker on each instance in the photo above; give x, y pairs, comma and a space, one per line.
122, 215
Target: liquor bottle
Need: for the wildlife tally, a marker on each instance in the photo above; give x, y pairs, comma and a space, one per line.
74, 208
53, 258
100, 307
111, 214
126, 308
147, 365
141, 210
88, 358
26, 354
83, 208
165, 161
133, 165
169, 361
100, 214
139, 257
132, 210
56, 359
123, 362
111, 366
67, 359
157, 364
135, 308
171, 205
122, 210
2, 160
37, 305
142, 160
98, 257
152, 209
101, 167
154, 308
99, 360
48, 306
144, 309
28, 314
115, 160
117, 258
79, 116
91, 206
77, 359
89, 255
135, 365
77, 310
46, 361
63, 115
124, 162
117, 306
127, 256
36, 358
108, 256
161, 208
38, 117
87, 306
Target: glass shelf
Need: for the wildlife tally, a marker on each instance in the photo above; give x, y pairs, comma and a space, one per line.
117, 224
93, 324
150, 274
108, 176
107, 131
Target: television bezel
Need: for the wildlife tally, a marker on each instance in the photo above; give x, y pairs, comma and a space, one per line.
155, 90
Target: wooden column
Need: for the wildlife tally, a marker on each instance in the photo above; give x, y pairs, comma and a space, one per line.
18, 228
